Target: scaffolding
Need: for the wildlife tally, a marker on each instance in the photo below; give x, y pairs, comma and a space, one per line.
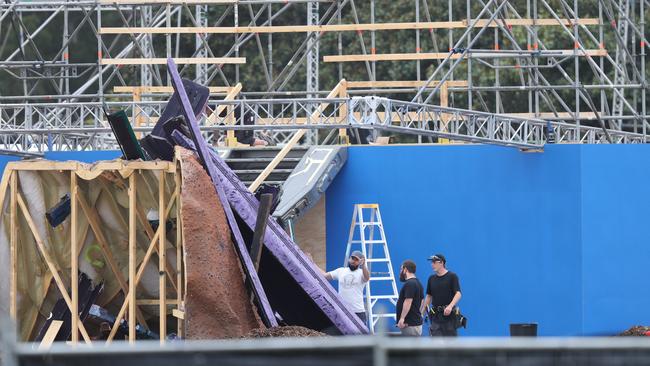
579, 63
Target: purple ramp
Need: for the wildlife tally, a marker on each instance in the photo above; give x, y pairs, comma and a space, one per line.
203, 151
292, 258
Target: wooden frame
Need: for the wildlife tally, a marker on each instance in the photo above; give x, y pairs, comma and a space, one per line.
131, 171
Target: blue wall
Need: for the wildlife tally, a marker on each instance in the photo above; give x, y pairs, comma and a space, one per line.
528, 233
83, 156
4, 159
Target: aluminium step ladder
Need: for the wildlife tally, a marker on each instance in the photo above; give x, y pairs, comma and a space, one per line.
367, 235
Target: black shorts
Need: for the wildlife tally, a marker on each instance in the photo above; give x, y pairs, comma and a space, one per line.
444, 328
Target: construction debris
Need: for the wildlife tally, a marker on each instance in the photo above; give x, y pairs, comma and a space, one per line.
637, 331
289, 331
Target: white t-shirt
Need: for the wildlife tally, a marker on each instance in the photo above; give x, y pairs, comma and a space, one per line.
351, 284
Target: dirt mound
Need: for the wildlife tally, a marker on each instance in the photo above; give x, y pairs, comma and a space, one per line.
637, 331
288, 331
217, 304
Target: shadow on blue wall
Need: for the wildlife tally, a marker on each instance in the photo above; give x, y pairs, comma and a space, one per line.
528, 233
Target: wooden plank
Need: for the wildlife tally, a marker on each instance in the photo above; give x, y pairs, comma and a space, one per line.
82, 168
93, 220
444, 102
165, 2
162, 237
49, 262
341, 27
292, 142
164, 89
142, 217
178, 314
143, 264
156, 302
232, 95
260, 227
180, 61
443, 55
50, 334
403, 84
132, 255
343, 114
179, 253
13, 292
74, 258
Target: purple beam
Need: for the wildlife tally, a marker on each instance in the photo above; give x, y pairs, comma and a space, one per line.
203, 151
303, 270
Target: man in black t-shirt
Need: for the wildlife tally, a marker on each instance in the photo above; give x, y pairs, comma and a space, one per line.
443, 293
409, 317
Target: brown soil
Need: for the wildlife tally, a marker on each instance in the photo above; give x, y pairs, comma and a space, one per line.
637, 330
289, 331
217, 304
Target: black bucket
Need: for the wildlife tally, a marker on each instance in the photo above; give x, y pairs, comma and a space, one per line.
523, 330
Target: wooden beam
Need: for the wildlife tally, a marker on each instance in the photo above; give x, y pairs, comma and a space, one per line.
74, 258
179, 253
403, 84
132, 256
178, 314
342, 27
263, 212
179, 61
13, 292
49, 262
155, 302
93, 220
165, 2
444, 102
50, 334
164, 89
162, 261
292, 142
232, 95
143, 264
443, 55
84, 169
142, 217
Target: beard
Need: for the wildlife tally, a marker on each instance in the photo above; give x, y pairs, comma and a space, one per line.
402, 277
352, 267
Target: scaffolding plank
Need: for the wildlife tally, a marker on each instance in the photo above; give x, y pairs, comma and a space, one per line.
444, 55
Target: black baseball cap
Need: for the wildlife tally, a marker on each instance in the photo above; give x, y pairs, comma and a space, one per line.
437, 257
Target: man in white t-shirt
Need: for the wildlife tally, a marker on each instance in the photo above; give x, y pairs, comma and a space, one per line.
352, 280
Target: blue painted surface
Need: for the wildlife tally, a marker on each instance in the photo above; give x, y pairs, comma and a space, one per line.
525, 232
4, 159
83, 156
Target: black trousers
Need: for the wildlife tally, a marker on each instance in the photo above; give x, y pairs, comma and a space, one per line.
443, 328
362, 316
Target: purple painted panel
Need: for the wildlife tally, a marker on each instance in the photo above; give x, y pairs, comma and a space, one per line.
302, 269
203, 151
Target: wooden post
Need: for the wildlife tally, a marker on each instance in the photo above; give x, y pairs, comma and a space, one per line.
14, 241
179, 255
260, 227
137, 111
50, 334
74, 258
344, 139
444, 102
162, 239
132, 255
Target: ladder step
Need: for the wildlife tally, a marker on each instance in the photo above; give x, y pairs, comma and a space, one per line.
380, 297
375, 316
377, 260
368, 241
380, 273
375, 223
381, 278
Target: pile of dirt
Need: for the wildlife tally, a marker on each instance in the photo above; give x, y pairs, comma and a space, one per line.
288, 331
637, 331
217, 304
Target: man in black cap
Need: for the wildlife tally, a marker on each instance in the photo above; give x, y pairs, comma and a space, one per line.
443, 293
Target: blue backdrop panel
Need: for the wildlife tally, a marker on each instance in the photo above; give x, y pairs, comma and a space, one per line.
616, 249
83, 156
510, 224
4, 159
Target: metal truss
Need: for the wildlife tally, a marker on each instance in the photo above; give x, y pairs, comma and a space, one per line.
382, 115
602, 85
